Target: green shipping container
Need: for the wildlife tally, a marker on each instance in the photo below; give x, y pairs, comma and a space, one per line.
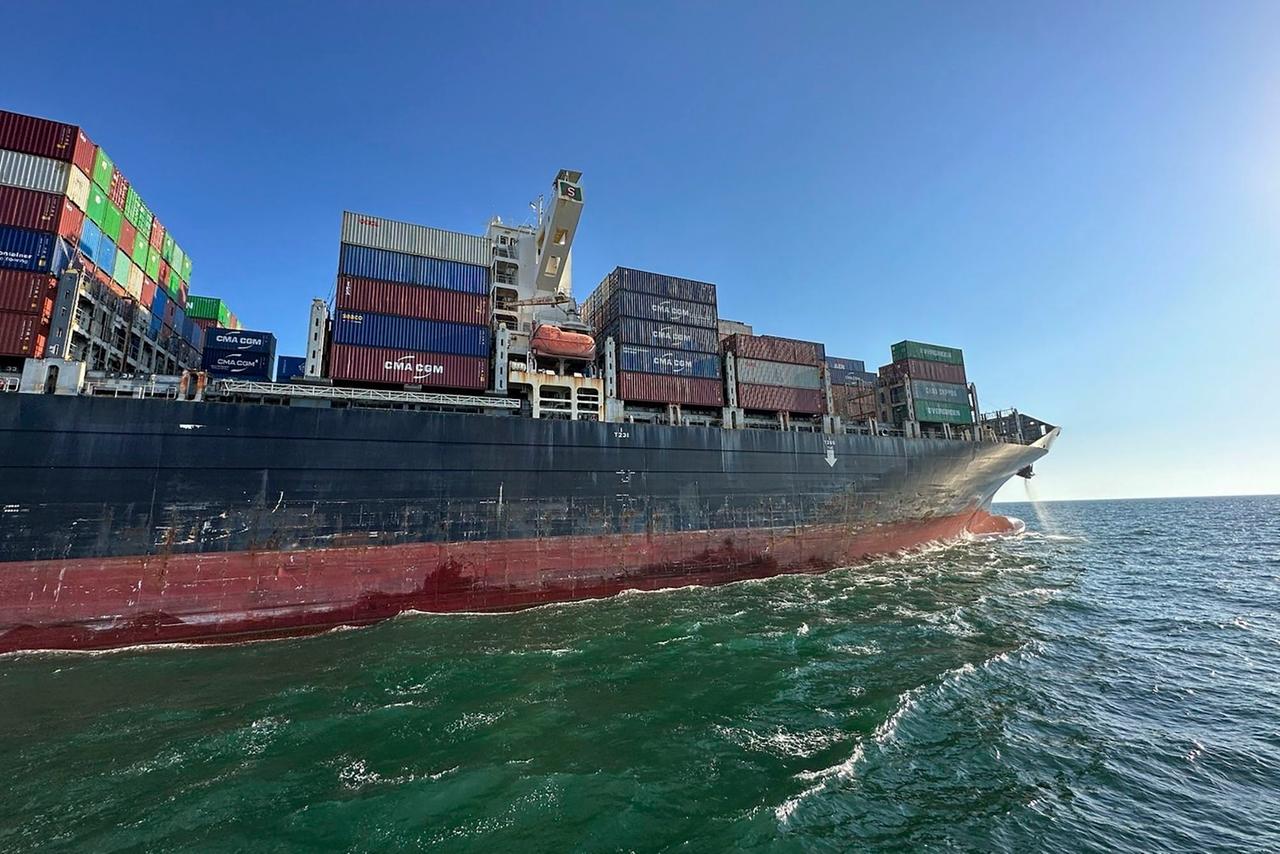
204, 308
175, 284
185, 271
176, 261
943, 392
152, 267
137, 212
938, 412
927, 353
121, 271
166, 249
112, 219
140, 247
103, 168
97, 207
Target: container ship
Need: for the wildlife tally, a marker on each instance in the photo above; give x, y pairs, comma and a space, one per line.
460, 434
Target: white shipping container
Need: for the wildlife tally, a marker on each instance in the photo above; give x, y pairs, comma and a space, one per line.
134, 287
78, 185
378, 233
33, 173
760, 372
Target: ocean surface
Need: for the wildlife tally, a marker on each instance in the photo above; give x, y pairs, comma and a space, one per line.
1109, 681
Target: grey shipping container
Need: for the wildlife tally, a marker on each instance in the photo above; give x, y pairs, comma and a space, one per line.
33, 173
378, 233
943, 392
672, 336
626, 279
787, 375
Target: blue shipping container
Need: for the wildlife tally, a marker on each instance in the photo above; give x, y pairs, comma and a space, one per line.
628, 279
655, 360
35, 251
240, 340
427, 336
90, 237
106, 254
158, 301
845, 371
390, 266
157, 323
671, 336
288, 367
237, 365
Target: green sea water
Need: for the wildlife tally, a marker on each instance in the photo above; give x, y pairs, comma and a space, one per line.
1109, 681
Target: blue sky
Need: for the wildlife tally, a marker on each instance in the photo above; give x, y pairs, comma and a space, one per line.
1084, 197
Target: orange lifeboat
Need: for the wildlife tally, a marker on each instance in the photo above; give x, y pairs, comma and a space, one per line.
551, 340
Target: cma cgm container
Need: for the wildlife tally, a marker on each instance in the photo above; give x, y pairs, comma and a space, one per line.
926, 353
241, 340
368, 329
397, 366
917, 369
388, 266
773, 349
659, 388
290, 367
779, 399
235, 364
627, 279
409, 239
34, 251
671, 336
656, 308
785, 374
45, 138
656, 360
940, 392
423, 303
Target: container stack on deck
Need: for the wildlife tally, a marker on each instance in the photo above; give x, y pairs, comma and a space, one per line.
211, 313
63, 201
664, 328
853, 389
412, 306
925, 383
239, 354
778, 374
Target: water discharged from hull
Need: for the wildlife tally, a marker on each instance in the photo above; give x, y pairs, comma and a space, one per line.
96, 603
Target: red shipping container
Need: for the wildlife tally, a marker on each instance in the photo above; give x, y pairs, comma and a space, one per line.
46, 138
664, 388
119, 189
205, 322
128, 234
916, 369
25, 292
407, 367
157, 234
164, 273
359, 294
71, 223
773, 398
773, 349
184, 291
23, 333
148, 292
40, 212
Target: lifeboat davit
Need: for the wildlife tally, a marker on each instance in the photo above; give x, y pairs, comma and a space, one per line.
551, 340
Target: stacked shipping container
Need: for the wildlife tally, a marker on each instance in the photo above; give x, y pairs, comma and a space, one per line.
239, 354
852, 389
62, 199
664, 328
926, 383
411, 306
778, 374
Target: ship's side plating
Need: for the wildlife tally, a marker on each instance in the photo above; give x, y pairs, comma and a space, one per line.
133, 520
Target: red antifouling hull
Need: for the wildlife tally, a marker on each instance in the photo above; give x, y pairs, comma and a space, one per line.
359, 294
779, 399
25, 293
227, 596
663, 388
354, 363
